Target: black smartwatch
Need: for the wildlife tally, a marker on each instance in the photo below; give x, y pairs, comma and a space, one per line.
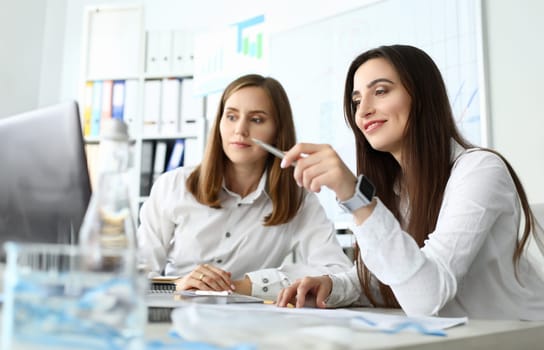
364, 192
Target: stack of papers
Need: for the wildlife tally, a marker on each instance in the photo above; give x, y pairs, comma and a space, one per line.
260, 324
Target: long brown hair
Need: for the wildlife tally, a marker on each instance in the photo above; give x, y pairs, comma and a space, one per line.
206, 180
430, 126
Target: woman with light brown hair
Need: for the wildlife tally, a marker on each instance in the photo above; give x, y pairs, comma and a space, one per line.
436, 218
231, 222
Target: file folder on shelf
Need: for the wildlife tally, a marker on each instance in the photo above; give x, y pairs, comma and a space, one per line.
118, 99
160, 159
88, 109
176, 157
96, 114
132, 104
152, 107
170, 103
107, 92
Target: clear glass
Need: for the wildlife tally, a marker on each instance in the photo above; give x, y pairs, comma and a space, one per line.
108, 234
89, 296
52, 300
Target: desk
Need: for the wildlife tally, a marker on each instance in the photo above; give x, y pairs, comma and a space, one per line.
477, 334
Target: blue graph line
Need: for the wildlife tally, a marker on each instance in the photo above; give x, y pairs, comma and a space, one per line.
458, 93
464, 112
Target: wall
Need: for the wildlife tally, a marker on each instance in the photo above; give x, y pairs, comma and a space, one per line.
513, 36
41, 48
21, 37
170, 14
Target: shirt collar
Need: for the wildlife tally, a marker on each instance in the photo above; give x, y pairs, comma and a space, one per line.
250, 198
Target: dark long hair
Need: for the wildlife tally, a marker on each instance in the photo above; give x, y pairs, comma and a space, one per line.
205, 181
430, 126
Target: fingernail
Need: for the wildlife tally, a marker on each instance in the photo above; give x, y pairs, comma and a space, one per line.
282, 164
233, 286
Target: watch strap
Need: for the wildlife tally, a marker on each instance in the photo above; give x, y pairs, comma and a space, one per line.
364, 192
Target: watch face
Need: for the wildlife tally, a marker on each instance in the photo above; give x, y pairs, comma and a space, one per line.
367, 188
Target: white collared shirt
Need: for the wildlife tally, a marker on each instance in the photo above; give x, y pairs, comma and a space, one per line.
465, 267
177, 233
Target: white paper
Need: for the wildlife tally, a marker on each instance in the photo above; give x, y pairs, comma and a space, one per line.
396, 323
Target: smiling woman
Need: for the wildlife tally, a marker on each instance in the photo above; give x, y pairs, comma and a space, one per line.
381, 103
230, 223
442, 235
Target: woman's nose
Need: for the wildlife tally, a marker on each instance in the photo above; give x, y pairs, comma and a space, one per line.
365, 110
241, 128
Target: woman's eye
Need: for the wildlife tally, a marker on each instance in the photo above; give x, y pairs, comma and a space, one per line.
257, 120
230, 117
356, 103
380, 91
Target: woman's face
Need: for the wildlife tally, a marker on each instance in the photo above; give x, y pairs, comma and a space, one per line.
247, 114
382, 105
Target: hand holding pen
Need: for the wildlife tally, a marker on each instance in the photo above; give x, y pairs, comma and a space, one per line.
316, 165
278, 153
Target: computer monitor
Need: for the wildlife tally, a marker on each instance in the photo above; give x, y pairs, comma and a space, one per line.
44, 181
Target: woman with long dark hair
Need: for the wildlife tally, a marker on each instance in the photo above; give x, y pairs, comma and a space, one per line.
436, 218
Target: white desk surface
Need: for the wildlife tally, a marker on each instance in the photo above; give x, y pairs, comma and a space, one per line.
476, 334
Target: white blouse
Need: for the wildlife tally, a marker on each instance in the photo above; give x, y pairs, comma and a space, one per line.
465, 267
177, 233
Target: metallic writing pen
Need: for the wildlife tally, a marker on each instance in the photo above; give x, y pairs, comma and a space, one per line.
271, 149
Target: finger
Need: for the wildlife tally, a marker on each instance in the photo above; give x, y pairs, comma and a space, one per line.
286, 295
323, 162
279, 298
297, 152
327, 170
190, 281
323, 292
309, 167
197, 278
304, 287
205, 280
217, 278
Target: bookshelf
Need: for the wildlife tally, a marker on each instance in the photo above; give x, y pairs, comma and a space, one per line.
145, 78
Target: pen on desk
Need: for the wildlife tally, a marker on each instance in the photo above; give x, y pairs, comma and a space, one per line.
272, 302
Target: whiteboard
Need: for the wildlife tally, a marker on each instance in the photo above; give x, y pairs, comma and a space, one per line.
311, 62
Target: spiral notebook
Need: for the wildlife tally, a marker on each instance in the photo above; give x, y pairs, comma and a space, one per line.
160, 305
163, 284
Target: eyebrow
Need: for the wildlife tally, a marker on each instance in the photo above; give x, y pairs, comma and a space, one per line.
372, 83
250, 112
379, 80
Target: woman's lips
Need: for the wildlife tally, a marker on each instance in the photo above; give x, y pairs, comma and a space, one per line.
373, 125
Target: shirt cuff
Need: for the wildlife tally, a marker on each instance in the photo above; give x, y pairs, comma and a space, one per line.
267, 283
346, 289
